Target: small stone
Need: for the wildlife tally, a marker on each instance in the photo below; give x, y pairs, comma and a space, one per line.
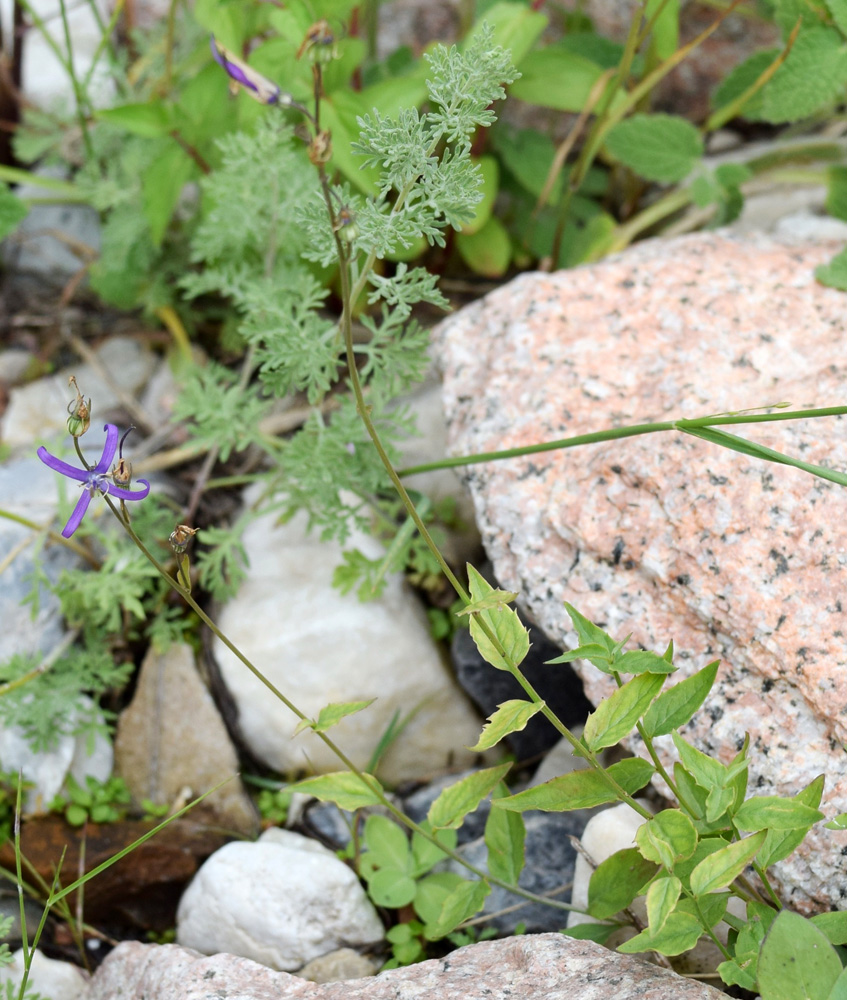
338, 966
14, 365
318, 646
48, 977
282, 901
172, 737
530, 967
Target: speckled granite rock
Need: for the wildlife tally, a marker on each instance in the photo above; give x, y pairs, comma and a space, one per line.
668, 536
534, 967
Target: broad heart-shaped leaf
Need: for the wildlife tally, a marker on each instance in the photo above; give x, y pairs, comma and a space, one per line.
676, 706
662, 897
813, 75
833, 925
505, 835
510, 717
616, 882
796, 961
432, 891
764, 812
455, 802
388, 844
779, 844
344, 788
658, 147
639, 661
680, 933
330, 715
725, 865
580, 789
617, 715
587, 631
392, 888
503, 622
464, 901
667, 838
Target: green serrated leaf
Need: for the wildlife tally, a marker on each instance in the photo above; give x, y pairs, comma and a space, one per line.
503, 622
616, 716
658, 147
813, 76
464, 901
593, 651
505, 836
580, 789
588, 632
676, 706
640, 661
344, 788
454, 803
510, 717
662, 897
616, 882
667, 838
680, 933
796, 960
764, 812
725, 865
740, 79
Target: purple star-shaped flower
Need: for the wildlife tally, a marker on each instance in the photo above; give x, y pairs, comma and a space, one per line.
93, 480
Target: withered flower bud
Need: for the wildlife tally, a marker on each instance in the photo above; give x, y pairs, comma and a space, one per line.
320, 148
122, 472
180, 537
319, 42
79, 419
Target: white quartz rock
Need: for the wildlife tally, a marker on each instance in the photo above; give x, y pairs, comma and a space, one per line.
280, 901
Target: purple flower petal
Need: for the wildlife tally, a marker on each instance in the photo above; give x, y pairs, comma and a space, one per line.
124, 494
109, 449
57, 465
78, 514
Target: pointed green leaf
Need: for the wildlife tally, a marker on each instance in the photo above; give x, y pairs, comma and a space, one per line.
456, 801
494, 599
779, 844
505, 835
796, 960
707, 772
503, 622
580, 789
465, 901
838, 822
667, 838
680, 933
599, 933
592, 651
639, 661
330, 715
725, 865
764, 812
344, 788
662, 897
617, 715
676, 706
616, 882
510, 717
588, 632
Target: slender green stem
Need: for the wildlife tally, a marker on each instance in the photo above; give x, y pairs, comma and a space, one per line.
79, 94
760, 871
617, 433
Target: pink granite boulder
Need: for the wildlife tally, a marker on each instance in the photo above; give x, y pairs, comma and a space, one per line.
533, 967
667, 536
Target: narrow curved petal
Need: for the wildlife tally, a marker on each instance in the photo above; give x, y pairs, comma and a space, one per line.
124, 494
57, 465
78, 514
109, 449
